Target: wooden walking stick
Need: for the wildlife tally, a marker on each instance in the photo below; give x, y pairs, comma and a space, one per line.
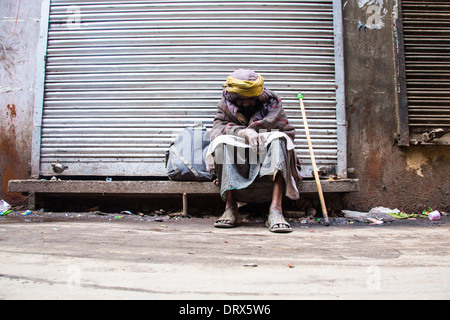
313, 160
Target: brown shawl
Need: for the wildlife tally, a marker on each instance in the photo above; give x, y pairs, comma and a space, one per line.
270, 116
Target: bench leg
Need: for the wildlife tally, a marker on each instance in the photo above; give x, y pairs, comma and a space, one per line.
32, 201
185, 204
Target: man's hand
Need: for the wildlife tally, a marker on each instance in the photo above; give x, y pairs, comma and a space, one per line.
253, 138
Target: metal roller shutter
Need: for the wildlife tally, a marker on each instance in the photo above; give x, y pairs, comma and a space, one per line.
122, 77
426, 28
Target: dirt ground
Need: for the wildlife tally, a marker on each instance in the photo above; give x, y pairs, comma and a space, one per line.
120, 256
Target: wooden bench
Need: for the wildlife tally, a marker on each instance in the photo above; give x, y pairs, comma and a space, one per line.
166, 187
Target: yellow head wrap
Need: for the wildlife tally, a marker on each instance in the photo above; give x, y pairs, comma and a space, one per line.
245, 88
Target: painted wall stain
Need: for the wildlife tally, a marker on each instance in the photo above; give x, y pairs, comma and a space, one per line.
12, 156
415, 160
12, 165
11, 110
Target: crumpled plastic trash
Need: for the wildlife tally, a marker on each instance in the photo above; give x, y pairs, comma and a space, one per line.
434, 215
27, 213
383, 210
375, 214
383, 213
4, 207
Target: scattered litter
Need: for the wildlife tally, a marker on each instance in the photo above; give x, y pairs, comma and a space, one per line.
291, 266
118, 217
403, 215
177, 214
374, 221
355, 215
383, 210
377, 215
163, 226
56, 229
434, 215
26, 213
4, 207
7, 212
309, 220
161, 218
126, 212
250, 265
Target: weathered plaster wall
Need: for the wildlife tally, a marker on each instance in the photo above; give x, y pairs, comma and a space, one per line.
408, 178
19, 35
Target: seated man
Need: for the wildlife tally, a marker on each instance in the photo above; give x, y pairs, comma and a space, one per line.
251, 112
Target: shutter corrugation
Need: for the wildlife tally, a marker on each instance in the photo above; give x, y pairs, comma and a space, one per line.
122, 77
426, 27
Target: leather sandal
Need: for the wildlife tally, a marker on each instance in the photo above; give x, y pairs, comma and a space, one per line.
277, 224
230, 219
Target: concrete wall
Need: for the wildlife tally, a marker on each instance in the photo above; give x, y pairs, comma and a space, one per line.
408, 178
19, 35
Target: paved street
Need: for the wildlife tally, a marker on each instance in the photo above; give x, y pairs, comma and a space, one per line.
101, 257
